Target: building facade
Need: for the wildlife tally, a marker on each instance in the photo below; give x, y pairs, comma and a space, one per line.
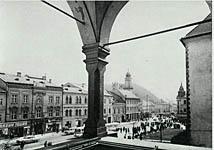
132, 102
75, 105
119, 108
198, 44
108, 107
27, 102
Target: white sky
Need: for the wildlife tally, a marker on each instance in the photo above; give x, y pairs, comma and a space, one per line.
36, 40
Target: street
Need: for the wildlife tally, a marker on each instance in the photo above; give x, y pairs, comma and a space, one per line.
55, 138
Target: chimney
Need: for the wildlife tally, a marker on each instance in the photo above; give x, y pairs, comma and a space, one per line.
44, 77
49, 80
19, 74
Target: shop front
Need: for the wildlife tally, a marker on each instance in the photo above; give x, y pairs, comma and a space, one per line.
53, 125
14, 129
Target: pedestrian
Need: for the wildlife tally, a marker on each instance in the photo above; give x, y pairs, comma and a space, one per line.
45, 144
22, 144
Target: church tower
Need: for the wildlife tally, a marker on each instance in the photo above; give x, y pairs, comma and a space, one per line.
128, 82
181, 92
181, 104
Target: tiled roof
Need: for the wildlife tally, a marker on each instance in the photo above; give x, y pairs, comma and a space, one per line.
11, 78
128, 93
201, 28
117, 98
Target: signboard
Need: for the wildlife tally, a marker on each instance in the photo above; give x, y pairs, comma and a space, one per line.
13, 124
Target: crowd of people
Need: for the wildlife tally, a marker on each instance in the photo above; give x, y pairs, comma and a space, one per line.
139, 129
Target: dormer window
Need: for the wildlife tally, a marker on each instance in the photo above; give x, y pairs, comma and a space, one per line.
17, 79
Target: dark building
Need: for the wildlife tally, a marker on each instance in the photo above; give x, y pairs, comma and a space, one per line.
181, 105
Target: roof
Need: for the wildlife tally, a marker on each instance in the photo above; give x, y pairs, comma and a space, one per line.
76, 90
201, 28
12, 78
128, 94
75, 87
117, 98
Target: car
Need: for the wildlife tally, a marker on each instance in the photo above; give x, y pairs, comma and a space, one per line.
79, 131
27, 139
70, 131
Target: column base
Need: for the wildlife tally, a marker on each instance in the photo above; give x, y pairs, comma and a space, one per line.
98, 130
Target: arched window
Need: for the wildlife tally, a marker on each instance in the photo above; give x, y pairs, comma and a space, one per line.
76, 112
66, 100
70, 112
76, 99
80, 112
80, 100
70, 100
66, 113
85, 111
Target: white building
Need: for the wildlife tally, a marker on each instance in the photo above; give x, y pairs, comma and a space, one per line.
75, 105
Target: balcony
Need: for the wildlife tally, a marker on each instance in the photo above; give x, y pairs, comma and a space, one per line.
112, 143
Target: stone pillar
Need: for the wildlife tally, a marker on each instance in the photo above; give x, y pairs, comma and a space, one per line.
98, 18
95, 66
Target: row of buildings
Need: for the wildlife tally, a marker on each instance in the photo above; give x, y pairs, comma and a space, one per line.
32, 105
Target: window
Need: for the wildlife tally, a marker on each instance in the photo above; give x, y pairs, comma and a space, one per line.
50, 112
14, 114
109, 110
114, 111
185, 109
76, 112
80, 100
76, 99
66, 100
66, 113
57, 99
70, 100
70, 112
25, 114
118, 110
39, 99
39, 113
85, 111
104, 100
50, 99
57, 112
1, 101
14, 98
25, 98
80, 112
104, 110
85, 100
184, 101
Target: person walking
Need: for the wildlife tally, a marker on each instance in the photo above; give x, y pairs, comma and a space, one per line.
22, 144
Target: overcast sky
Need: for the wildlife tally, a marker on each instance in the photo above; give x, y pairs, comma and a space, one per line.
36, 40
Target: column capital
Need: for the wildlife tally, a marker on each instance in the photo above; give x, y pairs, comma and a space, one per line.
95, 53
95, 56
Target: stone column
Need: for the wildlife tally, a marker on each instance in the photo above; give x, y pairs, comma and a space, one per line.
95, 66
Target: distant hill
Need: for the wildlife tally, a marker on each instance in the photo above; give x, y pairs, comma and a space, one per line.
141, 92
